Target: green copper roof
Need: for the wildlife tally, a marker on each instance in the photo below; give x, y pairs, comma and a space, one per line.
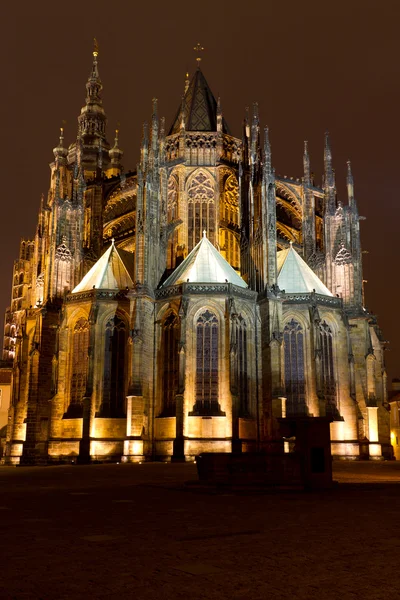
204, 264
111, 272
200, 107
295, 276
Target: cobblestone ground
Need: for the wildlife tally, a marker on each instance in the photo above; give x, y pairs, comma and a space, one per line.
135, 531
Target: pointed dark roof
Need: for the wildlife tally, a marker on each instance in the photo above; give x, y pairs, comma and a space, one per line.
200, 107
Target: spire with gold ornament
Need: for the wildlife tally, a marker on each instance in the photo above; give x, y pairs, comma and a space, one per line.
92, 120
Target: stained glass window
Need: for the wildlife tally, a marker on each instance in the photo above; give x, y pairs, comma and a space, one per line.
327, 368
201, 210
206, 365
80, 347
295, 383
113, 404
242, 375
170, 364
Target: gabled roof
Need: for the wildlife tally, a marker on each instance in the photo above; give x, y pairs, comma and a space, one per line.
111, 272
204, 264
200, 107
295, 276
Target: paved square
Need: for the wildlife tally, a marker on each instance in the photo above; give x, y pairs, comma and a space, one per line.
130, 531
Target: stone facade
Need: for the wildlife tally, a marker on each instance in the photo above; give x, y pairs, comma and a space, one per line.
112, 361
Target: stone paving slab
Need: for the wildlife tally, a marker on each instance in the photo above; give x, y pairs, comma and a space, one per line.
136, 531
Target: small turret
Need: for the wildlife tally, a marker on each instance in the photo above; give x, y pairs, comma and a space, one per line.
60, 153
115, 155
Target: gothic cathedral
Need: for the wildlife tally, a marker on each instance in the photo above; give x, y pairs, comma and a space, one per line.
187, 305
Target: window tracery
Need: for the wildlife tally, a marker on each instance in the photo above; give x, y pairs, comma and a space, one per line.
242, 366
229, 221
327, 369
80, 346
170, 364
113, 404
207, 356
201, 209
295, 384
172, 203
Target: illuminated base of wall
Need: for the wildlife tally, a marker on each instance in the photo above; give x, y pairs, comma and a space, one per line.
10, 461
375, 451
194, 447
105, 450
345, 450
164, 449
63, 449
133, 451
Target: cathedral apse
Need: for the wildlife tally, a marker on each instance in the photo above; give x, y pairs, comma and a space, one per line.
187, 305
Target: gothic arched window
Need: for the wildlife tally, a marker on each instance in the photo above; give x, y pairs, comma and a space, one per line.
229, 215
170, 364
241, 357
327, 369
206, 393
114, 397
172, 215
80, 347
201, 209
295, 383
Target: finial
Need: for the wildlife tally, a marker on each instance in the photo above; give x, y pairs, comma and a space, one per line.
95, 48
198, 48
204, 233
116, 137
112, 241
291, 243
349, 173
187, 82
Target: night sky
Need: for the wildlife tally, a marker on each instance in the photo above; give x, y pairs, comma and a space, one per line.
312, 66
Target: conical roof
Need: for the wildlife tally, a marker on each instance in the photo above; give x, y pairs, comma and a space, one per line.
204, 264
111, 272
200, 107
295, 276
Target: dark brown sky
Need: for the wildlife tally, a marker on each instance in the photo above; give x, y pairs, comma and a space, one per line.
311, 65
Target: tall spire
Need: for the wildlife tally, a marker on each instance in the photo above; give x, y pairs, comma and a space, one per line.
92, 120
306, 165
255, 135
329, 183
267, 155
269, 216
350, 186
309, 234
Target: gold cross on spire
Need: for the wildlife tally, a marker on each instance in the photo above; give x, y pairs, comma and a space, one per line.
198, 48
